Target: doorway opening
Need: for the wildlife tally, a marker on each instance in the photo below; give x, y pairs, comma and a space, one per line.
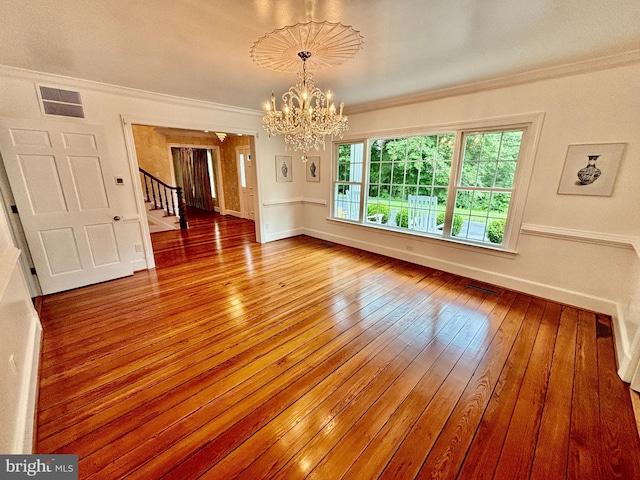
195, 173
202, 163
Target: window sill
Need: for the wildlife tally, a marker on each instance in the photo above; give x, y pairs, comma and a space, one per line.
444, 242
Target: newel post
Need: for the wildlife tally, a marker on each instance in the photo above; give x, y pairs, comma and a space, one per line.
182, 212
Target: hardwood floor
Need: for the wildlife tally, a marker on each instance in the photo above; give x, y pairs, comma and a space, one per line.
305, 359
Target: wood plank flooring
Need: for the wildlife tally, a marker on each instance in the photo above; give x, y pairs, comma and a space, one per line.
305, 359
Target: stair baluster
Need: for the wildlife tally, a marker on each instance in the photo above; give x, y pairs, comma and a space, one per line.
153, 192
181, 210
167, 207
156, 197
146, 187
173, 203
160, 199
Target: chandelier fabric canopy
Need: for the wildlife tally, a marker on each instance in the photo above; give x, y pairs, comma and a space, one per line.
308, 114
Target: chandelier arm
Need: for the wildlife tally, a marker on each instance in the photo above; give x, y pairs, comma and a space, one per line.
307, 115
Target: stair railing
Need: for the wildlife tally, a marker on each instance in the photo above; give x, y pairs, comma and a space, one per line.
164, 196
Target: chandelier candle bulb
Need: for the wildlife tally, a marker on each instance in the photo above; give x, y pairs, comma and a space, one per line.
307, 116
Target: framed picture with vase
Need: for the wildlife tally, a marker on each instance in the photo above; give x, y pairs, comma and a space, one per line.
313, 169
591, 169
283, 169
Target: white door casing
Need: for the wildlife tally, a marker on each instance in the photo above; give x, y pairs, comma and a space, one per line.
61, 179
251, 182
217, 174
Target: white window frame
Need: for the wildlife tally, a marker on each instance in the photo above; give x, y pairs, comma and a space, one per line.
364, 178
531, 125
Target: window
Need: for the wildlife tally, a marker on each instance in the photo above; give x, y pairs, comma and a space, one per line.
459, 185
243, 175
409, 182
348, 188
485, 186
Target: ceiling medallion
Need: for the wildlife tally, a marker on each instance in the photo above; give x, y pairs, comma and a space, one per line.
308, 114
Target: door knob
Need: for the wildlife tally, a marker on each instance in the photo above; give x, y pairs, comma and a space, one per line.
116, 218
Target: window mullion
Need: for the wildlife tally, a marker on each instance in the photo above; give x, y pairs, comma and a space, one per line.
420, 165
364, 180
495, 174
454, 176
404, 171
487, 189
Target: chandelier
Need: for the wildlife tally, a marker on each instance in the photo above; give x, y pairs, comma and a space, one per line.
308, 114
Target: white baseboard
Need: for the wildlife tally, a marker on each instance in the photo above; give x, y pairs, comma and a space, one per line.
140, 264
272, 237
568, 297
626, 339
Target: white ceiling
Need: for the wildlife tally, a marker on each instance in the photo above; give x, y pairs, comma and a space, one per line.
200, 48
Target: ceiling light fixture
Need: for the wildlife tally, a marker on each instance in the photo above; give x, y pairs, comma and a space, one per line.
308, 114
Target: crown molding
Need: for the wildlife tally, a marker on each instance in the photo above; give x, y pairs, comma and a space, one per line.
80, 83
575, 68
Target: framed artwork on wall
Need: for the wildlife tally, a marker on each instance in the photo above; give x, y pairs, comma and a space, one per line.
591, 169
313, 169
283, 169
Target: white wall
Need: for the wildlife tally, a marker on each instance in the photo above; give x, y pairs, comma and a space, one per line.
574, 249
628, 331
107, 106
19, 349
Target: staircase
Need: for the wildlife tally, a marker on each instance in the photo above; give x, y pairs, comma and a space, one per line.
165, 206
159, 220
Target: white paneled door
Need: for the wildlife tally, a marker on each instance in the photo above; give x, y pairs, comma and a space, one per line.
64, 190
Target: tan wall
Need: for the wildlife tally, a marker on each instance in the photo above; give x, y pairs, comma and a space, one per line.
230, 173
152, 150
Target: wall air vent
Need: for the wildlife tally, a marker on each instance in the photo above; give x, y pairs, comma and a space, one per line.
64, 103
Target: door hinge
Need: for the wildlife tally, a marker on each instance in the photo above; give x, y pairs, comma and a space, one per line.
14, 208
33, 271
